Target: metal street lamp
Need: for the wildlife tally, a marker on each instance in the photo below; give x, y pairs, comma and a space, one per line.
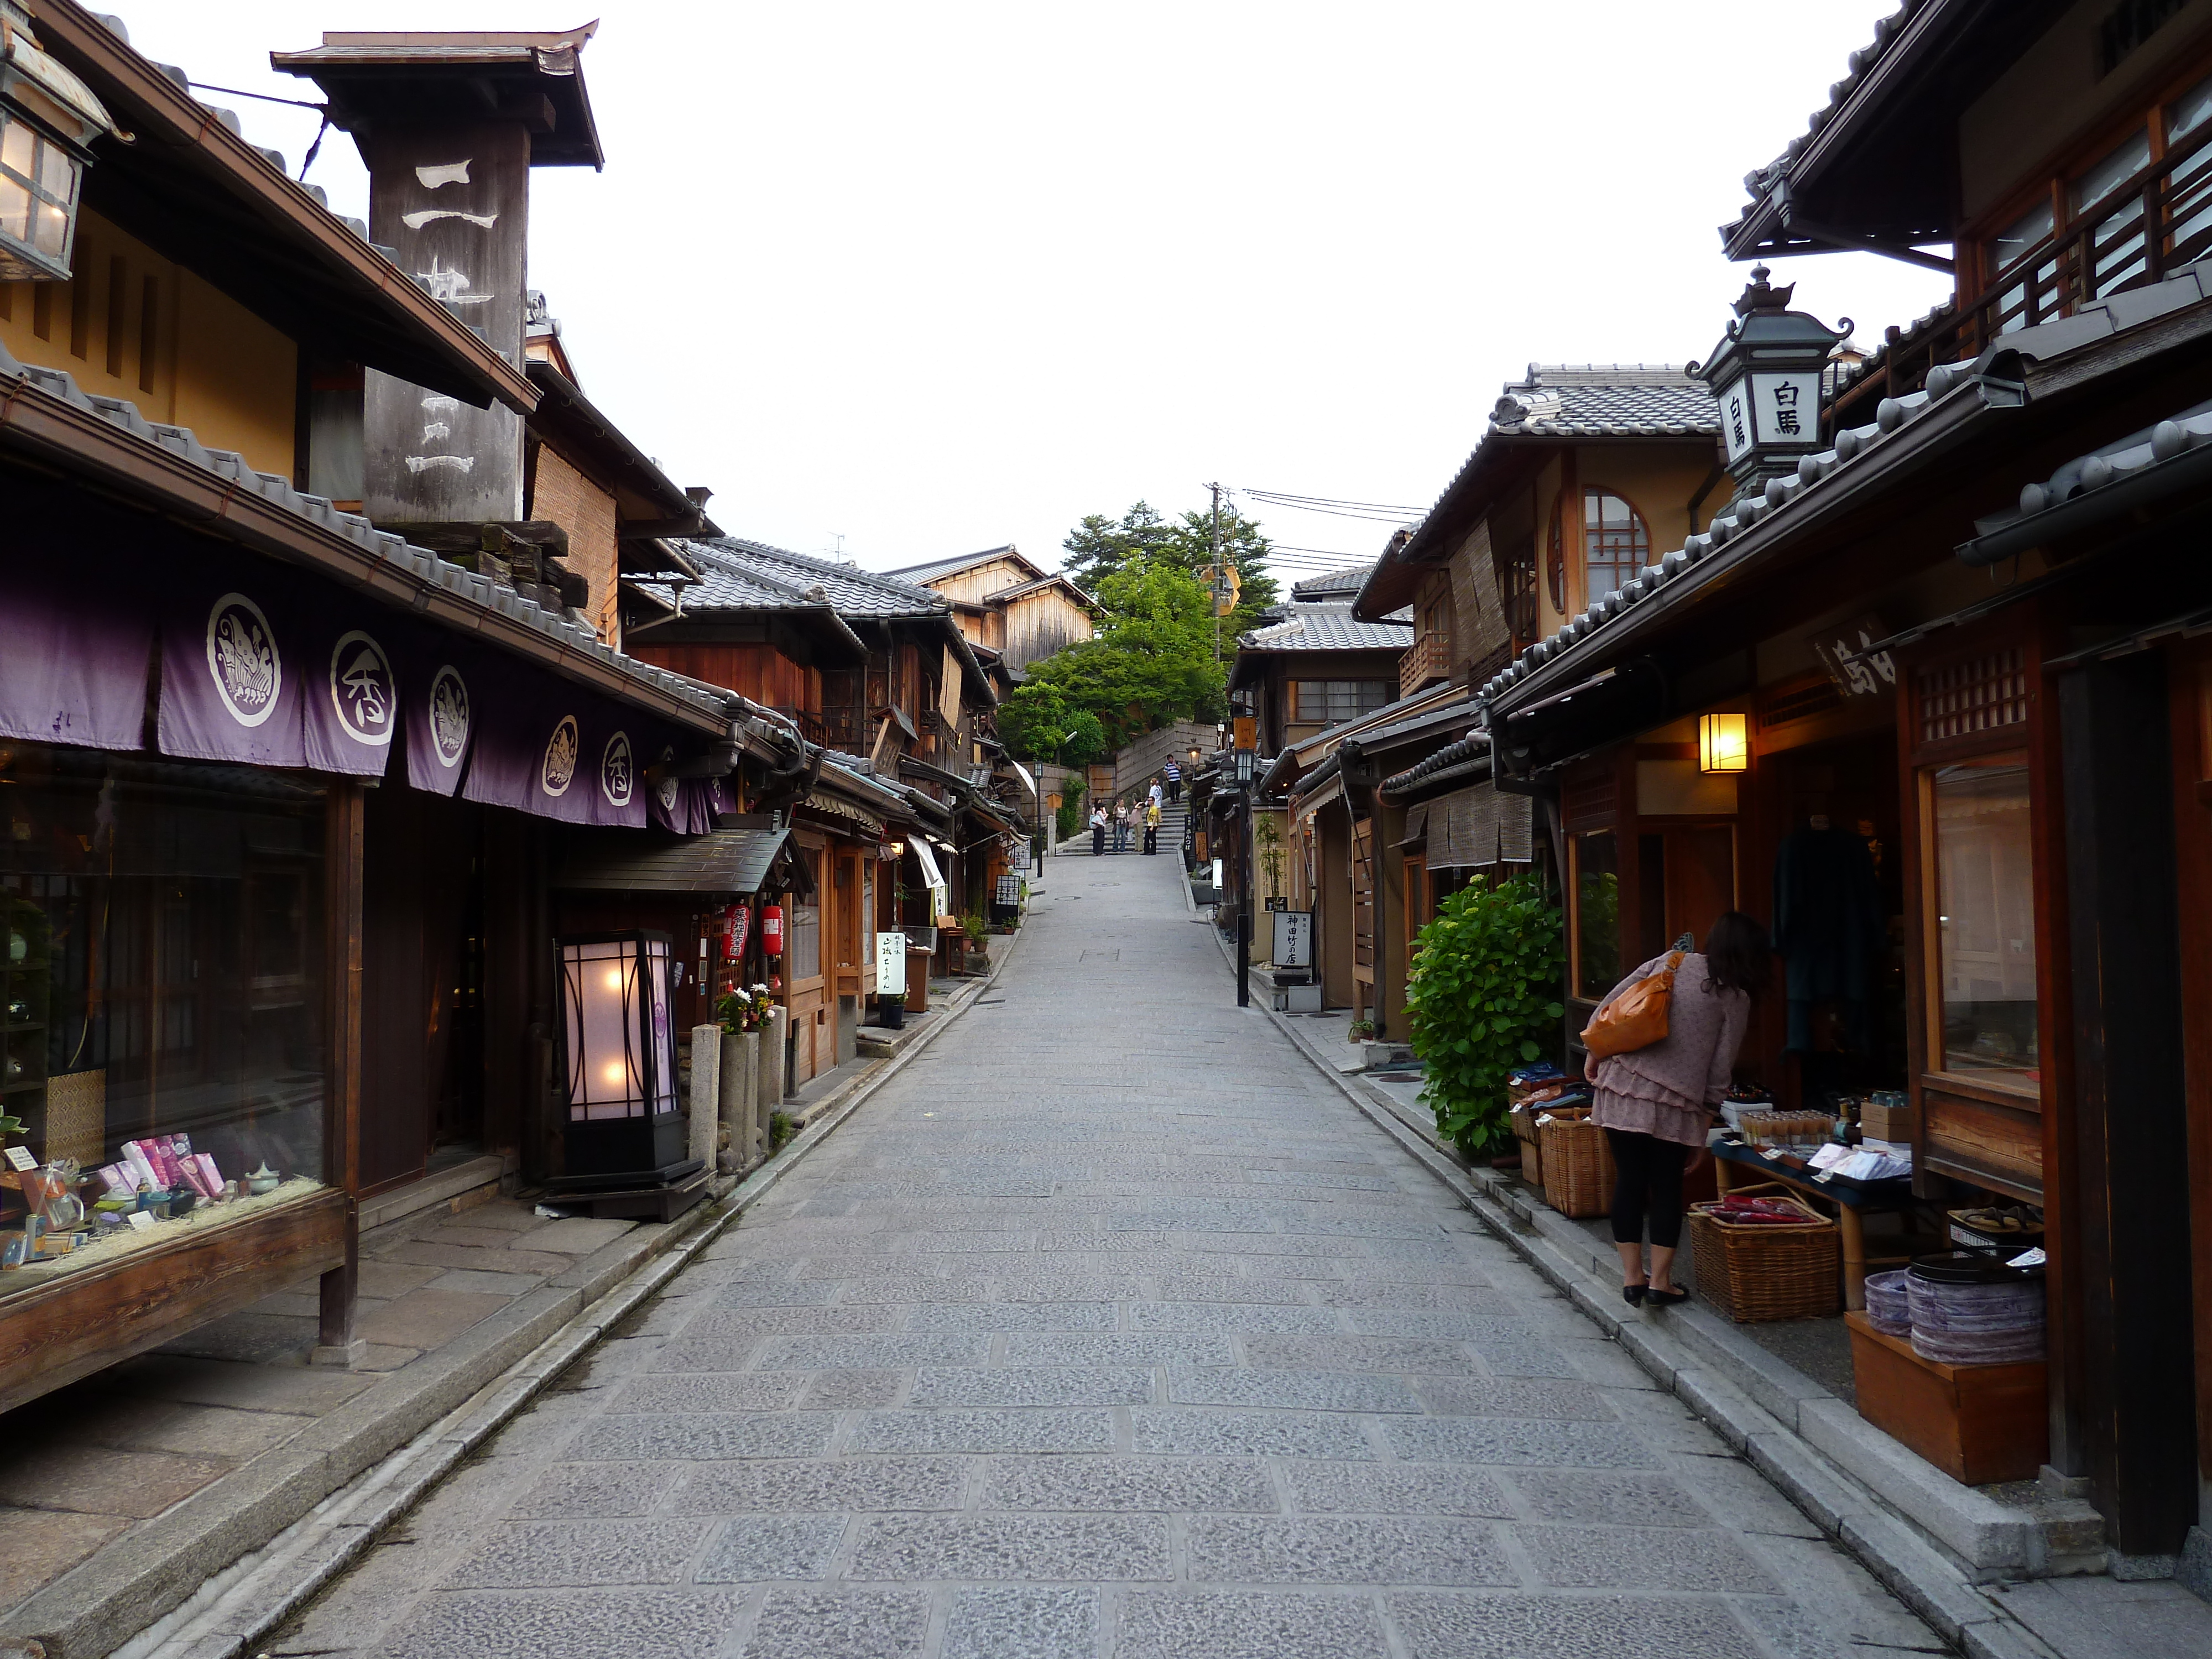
1245, 758
48, 119
1765, 376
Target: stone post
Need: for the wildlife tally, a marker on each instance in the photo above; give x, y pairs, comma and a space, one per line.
735, 1139
752, 1122
706, 1093
771, 1071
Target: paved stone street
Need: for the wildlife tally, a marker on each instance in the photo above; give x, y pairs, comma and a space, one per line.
1108, 1329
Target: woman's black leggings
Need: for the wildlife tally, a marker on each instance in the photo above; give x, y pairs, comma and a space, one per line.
1649, 1185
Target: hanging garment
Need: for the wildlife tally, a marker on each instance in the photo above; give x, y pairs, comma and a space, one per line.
1829, 930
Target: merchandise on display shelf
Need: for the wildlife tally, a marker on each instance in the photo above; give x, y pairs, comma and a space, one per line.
1761, 1255
1889, 1303
1969, 1308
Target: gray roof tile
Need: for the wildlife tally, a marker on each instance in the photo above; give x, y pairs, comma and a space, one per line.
1325, 627
1345, 581
756, 576
1606, 400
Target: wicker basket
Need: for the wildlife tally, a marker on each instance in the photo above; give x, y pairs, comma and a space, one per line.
1751, 1272
1578, 1172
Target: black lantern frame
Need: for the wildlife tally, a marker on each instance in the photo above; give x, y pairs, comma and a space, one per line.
48, 120
615, 1053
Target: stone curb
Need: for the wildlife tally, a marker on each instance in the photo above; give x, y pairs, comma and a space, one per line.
227, 1573
1926, 1579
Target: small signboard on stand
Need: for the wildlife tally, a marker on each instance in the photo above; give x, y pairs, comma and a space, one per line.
891, 964
1010, 890
1293, 939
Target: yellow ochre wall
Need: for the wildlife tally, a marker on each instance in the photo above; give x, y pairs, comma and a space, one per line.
210, 364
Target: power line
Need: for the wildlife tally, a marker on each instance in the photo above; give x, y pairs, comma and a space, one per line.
1328, 500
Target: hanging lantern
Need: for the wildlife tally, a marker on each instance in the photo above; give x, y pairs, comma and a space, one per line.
618, 1063
1765, 374
1723, 744
772, 929
48, 120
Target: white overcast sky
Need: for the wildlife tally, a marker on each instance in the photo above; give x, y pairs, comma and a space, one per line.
930, 279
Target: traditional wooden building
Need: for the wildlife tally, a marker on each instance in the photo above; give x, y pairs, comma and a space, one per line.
285, 784
1008, 606
1930, 685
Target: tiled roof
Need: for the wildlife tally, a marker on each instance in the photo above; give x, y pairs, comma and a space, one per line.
1449, 759
2147, 458
426, 567
1606, 400
1345, 581
755, 566
936, 567
1325, 627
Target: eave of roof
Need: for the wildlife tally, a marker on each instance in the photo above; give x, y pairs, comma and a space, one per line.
570, 419
274, 247
931, 570
45, 419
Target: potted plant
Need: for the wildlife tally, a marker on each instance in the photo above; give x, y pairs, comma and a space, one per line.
1361, 1030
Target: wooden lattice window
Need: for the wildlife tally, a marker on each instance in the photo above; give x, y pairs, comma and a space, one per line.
1975, 694
1616, 545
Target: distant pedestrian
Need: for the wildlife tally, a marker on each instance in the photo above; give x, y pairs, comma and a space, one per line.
1155, 795
1097, 830
1174, 781
1153, 827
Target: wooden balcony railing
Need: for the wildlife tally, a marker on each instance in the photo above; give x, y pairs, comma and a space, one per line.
1427, 660
2150, 225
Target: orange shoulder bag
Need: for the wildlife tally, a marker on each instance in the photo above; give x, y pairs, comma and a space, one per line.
1636, 1018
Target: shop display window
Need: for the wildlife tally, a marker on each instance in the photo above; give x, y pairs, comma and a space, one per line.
1985, 928
1597, 914
162, 987
806, 938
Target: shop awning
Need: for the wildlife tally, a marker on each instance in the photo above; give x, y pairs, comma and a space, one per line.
735, 860
1476, 827
1417, 825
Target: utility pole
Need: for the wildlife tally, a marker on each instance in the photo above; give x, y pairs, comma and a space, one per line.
1218, 583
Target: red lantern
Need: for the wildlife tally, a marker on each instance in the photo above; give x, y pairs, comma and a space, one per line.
772, 929
737, 923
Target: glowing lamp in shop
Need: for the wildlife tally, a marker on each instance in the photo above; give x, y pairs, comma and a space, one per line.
48, 120
618, 1062
1723, 743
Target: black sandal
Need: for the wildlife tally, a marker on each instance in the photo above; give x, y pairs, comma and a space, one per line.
1664, 1298
1632, 1295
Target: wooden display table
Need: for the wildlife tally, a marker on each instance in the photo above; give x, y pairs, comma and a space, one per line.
1738, 1165
1976, 1423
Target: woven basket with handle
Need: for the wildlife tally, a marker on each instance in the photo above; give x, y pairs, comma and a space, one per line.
1767, 1270
1578, 1173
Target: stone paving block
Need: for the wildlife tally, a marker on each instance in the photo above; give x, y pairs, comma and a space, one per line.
1264, 1243
1184, 1486
1202, 1432
695, 1436
592, 1491
985, 1317
1838, 1591
669, 1625
1609, 1497
1380, 1293
691, 1354
1006, 1621
1050, 1431
1509, 1441
1339, 1179
1032, 1385
857, 1354
753, 1549
1371, 1550
102, 1479
1394, 1489
1740, 1496
776, 1294
1225, 1287
465, 1279
1320, 1391
1122, 1348
1107, 1548
1643, 1557
1157, 1625
1514, 1396
711, 1391
853, 1625
834, 1391
1230, 1316
1070, 1288
547, 1555
1402, 1356
910, 1288
822, 1485
36, 1546
1567, 1627
791, 1321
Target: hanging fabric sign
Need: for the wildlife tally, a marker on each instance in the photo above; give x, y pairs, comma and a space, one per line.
687, 806
234, 658
74, 670
440, 710
547, 749
349, 695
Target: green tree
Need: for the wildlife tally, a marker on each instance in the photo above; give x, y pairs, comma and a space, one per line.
1150, 665
1482, 998
1099, 547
